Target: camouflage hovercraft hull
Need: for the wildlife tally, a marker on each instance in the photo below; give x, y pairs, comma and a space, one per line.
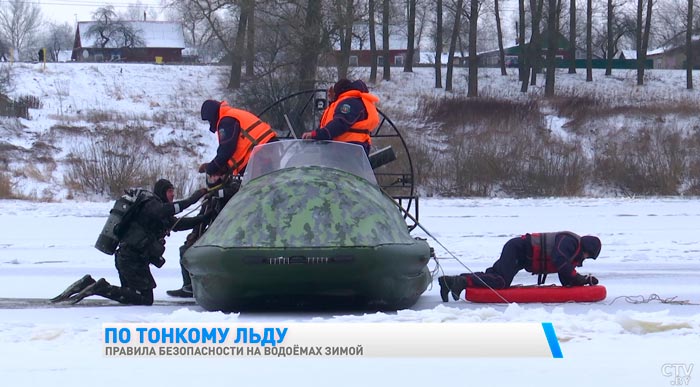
308, 236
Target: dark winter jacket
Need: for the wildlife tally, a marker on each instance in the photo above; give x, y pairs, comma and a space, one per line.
351, 117
236, 142
228, 129
145, 235
555, 252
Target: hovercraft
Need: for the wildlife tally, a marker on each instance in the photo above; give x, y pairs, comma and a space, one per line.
309, 227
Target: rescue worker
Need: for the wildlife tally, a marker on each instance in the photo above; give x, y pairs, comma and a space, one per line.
213, 203
239, 132
350, 117
143, 244
537, 253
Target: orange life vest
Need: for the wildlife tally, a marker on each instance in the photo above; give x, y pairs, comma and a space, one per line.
360, 130
542, 249
253, 132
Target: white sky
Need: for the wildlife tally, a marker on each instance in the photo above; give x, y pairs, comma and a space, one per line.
69, 10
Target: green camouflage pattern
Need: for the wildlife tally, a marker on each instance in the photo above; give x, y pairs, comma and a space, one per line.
308, 207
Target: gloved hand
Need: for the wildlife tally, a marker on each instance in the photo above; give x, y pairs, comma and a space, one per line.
581, 280
208, 215
197, 195
203, 168
158, 262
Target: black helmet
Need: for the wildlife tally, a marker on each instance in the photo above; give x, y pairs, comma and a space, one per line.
210, 112
161, 188
591, 245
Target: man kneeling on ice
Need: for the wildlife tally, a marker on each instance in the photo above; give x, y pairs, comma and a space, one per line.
142, 244
537, 253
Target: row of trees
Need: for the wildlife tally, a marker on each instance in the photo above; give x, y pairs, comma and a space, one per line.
272, 37
23, 30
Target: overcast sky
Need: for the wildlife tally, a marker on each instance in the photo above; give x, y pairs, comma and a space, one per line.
71, 11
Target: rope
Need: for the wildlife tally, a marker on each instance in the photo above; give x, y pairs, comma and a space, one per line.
183, 216
214, 188
652, 297
437, 263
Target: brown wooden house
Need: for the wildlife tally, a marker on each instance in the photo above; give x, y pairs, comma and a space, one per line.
162, 41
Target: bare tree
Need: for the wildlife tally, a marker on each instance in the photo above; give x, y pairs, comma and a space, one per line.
534, 48
238, 48
410, 41
311, 46
438, 44
250, 41
386, 8
453, 44
589, 41
618, 26
423, 14
345, 14
110, 30
19, 24
522, 55
638, 34
572, 36
671, 21
642, 37
473, 87
609, 34
536, 7
232, 43
553, 34
198, 31
372, 40
499, 33
59, 37
295, 38
689, 48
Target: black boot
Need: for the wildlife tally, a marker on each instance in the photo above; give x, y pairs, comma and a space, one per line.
98, 287
451, 284
75, 287
184, 292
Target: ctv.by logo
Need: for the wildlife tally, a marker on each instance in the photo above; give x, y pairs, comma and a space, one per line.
678, 372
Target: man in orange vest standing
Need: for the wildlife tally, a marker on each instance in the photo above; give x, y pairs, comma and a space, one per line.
238, 132
538, 253
350, 117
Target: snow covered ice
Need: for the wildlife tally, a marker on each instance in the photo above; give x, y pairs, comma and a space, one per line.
650, 253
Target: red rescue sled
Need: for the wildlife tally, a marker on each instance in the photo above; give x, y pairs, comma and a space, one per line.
544, 294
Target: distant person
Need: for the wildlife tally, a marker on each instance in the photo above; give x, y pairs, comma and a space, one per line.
351, 115
41, 55
143, 244
238, 132
537, 253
